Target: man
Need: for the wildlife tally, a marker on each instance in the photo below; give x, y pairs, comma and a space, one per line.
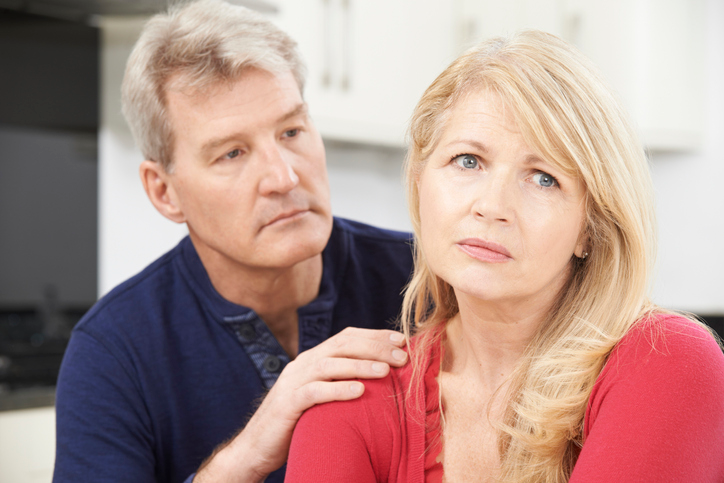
171, 363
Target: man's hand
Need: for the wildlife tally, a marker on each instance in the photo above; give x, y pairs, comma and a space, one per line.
316, 376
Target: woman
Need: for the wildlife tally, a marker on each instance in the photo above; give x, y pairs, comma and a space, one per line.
537, 355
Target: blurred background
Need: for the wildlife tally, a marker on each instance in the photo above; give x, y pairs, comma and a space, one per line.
74, 220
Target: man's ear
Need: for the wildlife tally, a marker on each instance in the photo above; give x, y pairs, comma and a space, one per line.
160, 190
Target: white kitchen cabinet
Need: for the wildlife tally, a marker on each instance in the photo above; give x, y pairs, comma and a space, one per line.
369, 61
651, 51
482, 19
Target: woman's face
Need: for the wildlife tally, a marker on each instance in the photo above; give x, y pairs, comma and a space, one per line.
498, 223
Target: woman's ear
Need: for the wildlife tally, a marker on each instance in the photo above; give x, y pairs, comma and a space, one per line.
159, 188
582, 248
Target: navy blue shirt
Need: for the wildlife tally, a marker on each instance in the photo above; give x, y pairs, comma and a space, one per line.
163, 369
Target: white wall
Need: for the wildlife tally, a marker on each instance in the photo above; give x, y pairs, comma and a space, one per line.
690, 199
131, 233
365, 184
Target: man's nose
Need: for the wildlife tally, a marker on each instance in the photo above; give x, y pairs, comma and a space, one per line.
278, 172
494, 198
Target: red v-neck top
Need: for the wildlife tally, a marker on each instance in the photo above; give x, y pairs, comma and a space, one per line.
656, 413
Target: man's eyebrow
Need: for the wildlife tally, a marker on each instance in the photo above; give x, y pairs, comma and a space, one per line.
213, 144
300, 110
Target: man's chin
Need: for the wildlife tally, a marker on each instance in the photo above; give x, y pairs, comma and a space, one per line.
299, 239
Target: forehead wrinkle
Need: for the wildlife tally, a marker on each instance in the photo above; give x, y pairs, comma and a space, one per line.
299, 110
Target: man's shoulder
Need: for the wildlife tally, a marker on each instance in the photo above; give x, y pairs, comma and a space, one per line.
363, 232
371, 261
142, 294
374, 247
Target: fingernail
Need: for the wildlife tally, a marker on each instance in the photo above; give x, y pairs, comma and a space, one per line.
397, 337
399, 355
356, 388
379, 367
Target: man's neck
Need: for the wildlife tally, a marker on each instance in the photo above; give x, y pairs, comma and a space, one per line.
274, 294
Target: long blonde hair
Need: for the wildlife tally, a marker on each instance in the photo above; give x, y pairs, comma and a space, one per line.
569, 116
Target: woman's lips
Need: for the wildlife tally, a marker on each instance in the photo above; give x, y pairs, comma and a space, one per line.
484, 251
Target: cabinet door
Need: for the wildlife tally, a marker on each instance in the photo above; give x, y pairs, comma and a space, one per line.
650, 51
482, 19
653, 55
368, 61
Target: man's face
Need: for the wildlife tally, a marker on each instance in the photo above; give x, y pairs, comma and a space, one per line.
249, 173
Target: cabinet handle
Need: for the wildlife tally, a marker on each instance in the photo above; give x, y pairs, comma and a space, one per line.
346, 53
327, 47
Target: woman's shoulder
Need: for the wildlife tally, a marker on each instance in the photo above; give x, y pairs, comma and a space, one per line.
662, 336
363, 435
664, 378
667, 351
367, 414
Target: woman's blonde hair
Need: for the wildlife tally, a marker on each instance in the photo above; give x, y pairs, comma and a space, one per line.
197, 44
569, 116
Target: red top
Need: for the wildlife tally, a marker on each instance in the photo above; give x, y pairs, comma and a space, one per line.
656, 413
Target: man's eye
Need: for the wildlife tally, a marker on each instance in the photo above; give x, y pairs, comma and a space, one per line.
466, 161
291, 133
544, 180
232, 154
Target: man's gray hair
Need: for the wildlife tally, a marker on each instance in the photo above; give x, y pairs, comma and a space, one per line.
198, 44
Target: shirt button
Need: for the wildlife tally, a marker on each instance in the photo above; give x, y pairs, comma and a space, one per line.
272, 364
247, 332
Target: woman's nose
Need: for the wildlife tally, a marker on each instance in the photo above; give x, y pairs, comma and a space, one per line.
494, 199
278, 173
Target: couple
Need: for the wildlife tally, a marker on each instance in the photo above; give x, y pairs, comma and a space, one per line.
534, 352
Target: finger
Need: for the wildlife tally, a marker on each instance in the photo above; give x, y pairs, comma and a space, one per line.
383, 335
336, 368
319, 392
346, 346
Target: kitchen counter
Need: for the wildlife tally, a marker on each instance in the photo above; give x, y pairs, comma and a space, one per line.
26, 398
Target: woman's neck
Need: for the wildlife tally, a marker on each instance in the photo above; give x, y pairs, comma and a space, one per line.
485, 341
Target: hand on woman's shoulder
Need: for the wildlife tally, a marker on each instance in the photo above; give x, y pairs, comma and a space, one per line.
351, 441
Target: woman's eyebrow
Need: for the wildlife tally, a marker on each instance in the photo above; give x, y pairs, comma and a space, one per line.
533, 159
470, 142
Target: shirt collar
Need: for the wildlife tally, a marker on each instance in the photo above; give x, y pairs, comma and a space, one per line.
334, 264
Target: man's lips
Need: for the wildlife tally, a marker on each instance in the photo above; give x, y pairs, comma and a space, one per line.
287, 216
484, 250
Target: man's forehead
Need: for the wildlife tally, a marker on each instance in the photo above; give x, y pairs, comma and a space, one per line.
259, 95
203, 120
203, 86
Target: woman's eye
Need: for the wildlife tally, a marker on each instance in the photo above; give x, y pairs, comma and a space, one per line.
291, 133
466, 161
545, 180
